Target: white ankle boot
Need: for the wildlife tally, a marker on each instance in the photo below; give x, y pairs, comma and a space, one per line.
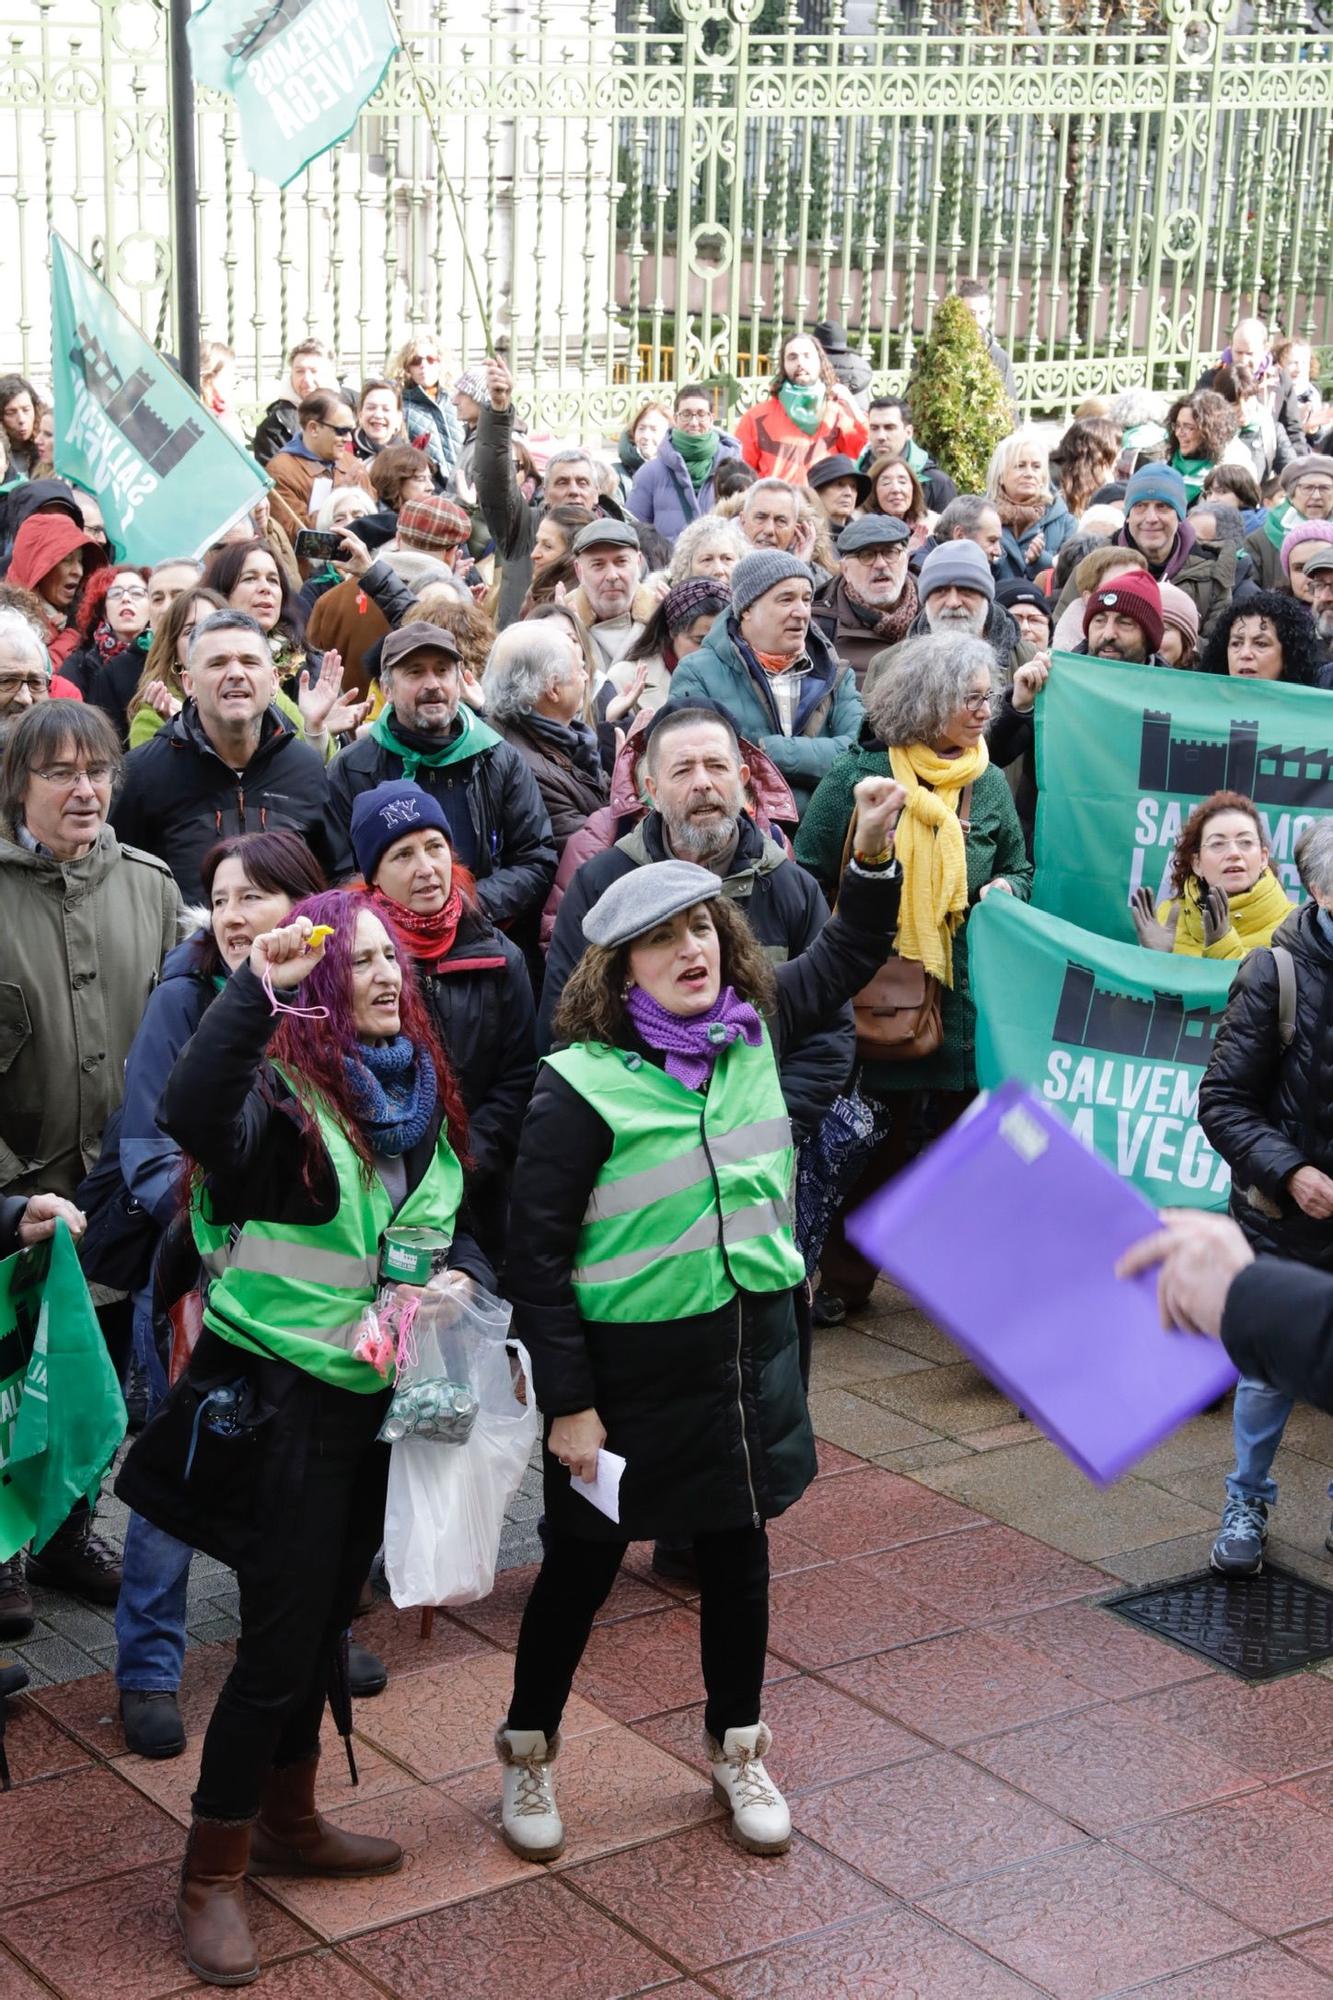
760, 1821
529, 1820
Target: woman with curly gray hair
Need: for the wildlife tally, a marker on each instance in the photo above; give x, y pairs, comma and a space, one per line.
711, 546
959, 838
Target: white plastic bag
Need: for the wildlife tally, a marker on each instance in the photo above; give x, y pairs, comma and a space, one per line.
446, 1504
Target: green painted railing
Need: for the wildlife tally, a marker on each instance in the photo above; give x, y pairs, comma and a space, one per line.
660, 194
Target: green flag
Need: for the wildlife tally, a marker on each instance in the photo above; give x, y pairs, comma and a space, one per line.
300, 71
1116, 1038
168, 479
61, 1412
1123, 755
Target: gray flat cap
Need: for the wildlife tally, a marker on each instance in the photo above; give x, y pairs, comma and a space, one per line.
1321, 560
872, 531
647, 896
604, 533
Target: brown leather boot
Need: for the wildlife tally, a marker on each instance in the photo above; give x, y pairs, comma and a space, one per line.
210, 1906
291, 1838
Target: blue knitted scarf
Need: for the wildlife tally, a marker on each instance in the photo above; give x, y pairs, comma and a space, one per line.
394, 1086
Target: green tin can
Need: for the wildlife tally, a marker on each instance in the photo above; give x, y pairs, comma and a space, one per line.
413, 1256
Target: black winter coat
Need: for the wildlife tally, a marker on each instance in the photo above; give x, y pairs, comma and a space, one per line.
708, 1411
107, 684
784, 907
178, 797
515, 849
228, 1109
571, 796
1267, 1111
1278, 1328
277, 427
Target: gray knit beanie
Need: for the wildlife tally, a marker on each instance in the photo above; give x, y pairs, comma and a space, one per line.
961, 563
754, 574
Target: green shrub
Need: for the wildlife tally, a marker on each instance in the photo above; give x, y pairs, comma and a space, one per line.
959, 408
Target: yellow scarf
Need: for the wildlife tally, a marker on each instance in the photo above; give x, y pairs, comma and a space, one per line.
931, 849
1255, 915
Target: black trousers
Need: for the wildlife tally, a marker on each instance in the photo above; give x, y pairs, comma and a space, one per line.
298, 1593
574, 1582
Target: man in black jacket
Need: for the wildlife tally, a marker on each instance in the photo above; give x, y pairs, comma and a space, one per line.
501, 830
228, 763
310, 366
695, 777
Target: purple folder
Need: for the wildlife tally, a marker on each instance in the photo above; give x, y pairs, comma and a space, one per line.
1007, 1231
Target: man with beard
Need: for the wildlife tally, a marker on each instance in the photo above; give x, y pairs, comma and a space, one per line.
695, 778
1319, 570
872, 602
609, 599
957, 592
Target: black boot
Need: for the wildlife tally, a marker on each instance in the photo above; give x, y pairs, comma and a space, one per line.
16, 1610
366, 1671
152, 1722
77, 1561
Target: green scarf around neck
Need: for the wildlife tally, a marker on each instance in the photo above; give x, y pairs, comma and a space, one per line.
698, 454
804, 404
474, 736
1280, 522
1193, 471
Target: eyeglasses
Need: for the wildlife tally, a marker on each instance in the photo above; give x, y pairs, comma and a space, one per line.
11, 683
977, 704
339, 431
65, 776
423, 360
135, 593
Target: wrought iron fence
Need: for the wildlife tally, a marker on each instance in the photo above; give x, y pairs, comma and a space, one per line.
662, 192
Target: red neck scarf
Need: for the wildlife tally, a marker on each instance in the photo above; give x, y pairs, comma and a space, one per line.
429, 939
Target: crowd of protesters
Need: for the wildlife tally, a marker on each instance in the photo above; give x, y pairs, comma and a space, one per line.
540, 792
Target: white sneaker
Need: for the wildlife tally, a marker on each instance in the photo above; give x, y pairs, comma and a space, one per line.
760, 1821
529, 1820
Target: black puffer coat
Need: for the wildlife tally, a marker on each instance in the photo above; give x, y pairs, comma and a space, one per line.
1267, 1111
707, 1411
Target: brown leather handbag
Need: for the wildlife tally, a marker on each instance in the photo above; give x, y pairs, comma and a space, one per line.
897, 1012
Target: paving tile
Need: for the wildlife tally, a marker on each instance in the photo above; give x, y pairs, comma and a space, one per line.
821, 1616
448, 1853
1302, 1513
1273, 1729
1021, 1431
985, 1574
88, 1708
317, 1975
1089, 1923
1103, 1652
899, 1955
955, 1399
396, 1636
170, 1781
1162, 1562
699, 1897
919, 1826
843, 1354
832, 1459
644, 1665
443, 1719
788, 1552
1314, 1947
36, 1747
614, 1788
55, 1659
1266, 1974
16, 1984
906, 1326
819, 1736
918, 1458
967, 1685
1213, 1852
1205, 1440
873, 1510
118, 1940
1107, 1767
1034, 1487
1310, 1432
499, 1616
538, 1940
75, 1828
861, 1426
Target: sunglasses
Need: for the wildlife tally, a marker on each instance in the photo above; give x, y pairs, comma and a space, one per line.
423, 360
341, 430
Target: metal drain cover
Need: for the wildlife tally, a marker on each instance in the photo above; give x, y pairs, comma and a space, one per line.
1255, 1626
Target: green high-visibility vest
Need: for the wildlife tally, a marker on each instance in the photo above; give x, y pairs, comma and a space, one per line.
298, 1290
695, 1202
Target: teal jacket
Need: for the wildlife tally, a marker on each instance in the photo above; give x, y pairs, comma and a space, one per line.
994, 847
828, 717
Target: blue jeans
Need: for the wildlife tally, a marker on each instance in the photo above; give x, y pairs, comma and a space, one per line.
1258, 1421
155, 1568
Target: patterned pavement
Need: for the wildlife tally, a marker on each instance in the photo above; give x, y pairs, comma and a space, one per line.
999, 1789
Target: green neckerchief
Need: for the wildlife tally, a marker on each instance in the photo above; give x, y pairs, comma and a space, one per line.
474, 736
1281, 520
804, 405
914, 457
1193, 471
697, 453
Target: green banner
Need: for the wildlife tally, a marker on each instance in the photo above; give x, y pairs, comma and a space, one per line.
1123, 755
299, 70
169, 480
1116, 1038
61, 1411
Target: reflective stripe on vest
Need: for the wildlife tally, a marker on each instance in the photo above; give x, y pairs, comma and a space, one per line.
694, 1202
297, 1291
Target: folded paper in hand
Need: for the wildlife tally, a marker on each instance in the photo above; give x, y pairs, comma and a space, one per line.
603, 1489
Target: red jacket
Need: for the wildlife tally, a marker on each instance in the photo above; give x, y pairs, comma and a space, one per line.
779, 449
43, 541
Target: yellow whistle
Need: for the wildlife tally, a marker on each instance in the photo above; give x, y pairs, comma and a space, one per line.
318, 935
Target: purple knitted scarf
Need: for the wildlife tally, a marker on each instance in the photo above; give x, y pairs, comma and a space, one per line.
693, 1045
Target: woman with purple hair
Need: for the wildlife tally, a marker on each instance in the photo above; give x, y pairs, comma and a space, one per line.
316, 1108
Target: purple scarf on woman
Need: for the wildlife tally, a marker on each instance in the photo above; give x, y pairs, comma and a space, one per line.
692, 1046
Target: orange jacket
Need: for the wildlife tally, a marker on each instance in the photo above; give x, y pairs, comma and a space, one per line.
779, 449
